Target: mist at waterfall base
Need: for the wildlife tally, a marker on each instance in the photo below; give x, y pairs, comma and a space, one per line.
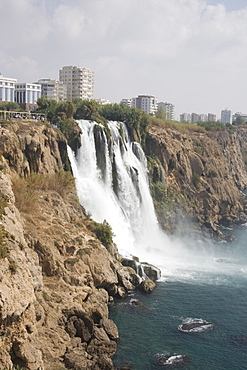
200, 280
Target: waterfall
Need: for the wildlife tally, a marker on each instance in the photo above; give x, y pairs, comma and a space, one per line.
112, 184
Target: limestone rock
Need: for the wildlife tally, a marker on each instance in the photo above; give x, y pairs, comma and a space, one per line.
147, 286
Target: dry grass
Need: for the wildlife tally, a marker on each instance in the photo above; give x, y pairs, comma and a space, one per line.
26, 189
182, 127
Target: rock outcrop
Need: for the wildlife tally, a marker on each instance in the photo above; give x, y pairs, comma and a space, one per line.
197, 173
56, 278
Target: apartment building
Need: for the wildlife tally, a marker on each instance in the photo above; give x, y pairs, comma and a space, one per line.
185, 117
168, 110
147, 103
7, 89
53, 89
212, 117
226, 116
27, 94
128, 102
79, 82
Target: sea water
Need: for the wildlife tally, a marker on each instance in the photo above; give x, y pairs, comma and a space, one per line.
214, 290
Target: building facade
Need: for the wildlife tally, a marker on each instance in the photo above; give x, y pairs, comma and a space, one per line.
185, 118
53, 89
168, 109
27, 94
212, 117
7, 89
79, 82
147, 103
226, 116
128, 102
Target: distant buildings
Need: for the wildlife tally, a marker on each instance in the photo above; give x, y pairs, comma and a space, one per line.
212, 117
226, 116
102, 101
79, 82
53, 89
7, 89
26, 95
147, 103
195, 117
185, 117
168, 110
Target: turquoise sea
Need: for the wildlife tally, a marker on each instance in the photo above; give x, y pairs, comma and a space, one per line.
214, 289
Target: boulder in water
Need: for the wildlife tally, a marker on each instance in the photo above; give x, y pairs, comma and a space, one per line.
147, 286
151, 271
172, 361
195, 326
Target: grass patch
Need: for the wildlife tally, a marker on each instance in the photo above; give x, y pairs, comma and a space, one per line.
25, 189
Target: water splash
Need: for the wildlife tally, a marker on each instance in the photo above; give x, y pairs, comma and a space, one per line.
112, 184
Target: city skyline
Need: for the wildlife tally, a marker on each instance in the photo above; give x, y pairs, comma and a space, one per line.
188, 52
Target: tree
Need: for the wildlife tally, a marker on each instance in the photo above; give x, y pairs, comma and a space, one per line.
239, 121
87, 109
47, 106
9, 106
160, 113
66, 107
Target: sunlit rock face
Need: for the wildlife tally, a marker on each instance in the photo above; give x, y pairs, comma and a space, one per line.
202, 175
56, 278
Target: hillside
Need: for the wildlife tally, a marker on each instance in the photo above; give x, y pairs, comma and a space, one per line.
56, 278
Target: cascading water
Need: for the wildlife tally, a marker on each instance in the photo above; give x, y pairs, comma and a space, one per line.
112, 184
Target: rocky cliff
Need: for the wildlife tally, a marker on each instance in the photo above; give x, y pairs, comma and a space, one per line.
198, 175
56, 278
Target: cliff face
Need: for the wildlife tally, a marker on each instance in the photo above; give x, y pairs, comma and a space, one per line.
200, 174
56, 278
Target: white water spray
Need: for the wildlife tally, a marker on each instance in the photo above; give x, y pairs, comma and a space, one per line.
112, 184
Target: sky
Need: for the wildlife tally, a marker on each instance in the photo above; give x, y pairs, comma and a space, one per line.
191, 53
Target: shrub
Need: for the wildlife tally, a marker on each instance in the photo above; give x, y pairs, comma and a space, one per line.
196, 179
212, 173
104, 233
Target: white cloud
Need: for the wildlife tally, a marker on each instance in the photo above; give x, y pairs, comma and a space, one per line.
184, 51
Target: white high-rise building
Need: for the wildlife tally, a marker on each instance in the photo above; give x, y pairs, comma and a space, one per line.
79, 81
7, 89
53, 89
226, 116
147, 103
168, 110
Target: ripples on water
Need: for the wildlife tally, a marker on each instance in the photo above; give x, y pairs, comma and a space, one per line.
214, 289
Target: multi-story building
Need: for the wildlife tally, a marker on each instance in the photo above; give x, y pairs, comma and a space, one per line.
211, 117
102, 101
185, 117
7, 89
27, 94
128, 102
226, 116
147, 103
53, 89
194, 117
168, 110
79, 81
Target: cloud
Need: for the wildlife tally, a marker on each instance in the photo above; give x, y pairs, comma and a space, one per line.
185, 51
